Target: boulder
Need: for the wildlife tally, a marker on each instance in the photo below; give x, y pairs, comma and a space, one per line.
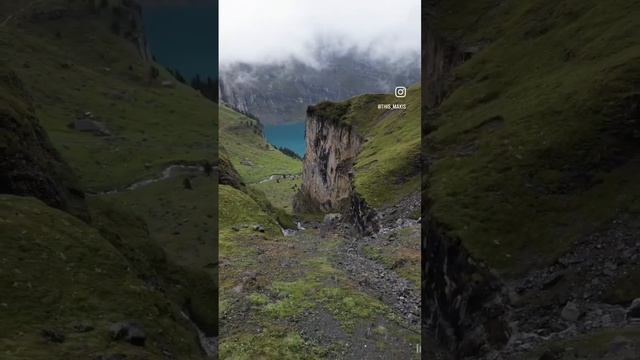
92, 126
332, 218
131, 332
570, 312
633, 312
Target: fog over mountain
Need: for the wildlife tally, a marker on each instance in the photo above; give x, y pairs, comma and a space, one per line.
278, 57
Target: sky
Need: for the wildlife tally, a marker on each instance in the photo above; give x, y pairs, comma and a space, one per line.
182, 34
259, 31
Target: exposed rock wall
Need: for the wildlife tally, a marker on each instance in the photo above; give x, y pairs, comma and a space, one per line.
363, 216
467, 308
29, 165
136, 33
327, 169
439, 57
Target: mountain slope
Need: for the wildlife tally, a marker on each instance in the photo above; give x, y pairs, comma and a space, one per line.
256, 89
101, 71
146, 251
531, 143
65, 306
288, 294
251, 155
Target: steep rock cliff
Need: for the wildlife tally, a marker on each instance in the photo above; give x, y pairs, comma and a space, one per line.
29, 165
362, 158
331, 150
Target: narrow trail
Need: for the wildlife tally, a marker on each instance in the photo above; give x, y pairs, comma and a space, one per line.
275, 177
169, 172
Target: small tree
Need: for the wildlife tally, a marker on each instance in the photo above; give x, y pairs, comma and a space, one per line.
179, 77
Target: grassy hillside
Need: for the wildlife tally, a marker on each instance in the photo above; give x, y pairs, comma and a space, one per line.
68, 279
159, 255
534, 152
73, 62
250, 154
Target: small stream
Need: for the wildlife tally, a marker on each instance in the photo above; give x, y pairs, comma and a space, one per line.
208, 344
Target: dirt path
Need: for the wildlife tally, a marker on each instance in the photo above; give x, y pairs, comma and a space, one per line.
169, 172
320, 288
279, 177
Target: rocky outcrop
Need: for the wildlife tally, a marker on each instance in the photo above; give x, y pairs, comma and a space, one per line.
466, 307
439, 57
129, 14
227, 174
327, 177
332, 147
29, 165
363, 216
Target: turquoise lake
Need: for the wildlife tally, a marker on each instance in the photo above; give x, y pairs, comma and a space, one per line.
289, 135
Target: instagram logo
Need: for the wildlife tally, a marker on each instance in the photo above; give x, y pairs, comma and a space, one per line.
401, 91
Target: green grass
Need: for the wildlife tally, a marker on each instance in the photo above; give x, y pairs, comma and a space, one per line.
292, 298
74, 64
534, 151
182, 221
250, 154
100, 72
281, 193
273, 343
237, 209
60, 271
388, 167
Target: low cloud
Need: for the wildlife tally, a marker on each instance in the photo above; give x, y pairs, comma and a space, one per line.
275, 31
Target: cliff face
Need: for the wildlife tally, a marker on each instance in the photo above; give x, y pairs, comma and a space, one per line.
362, 159
439, 58
327, 168
29, 165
